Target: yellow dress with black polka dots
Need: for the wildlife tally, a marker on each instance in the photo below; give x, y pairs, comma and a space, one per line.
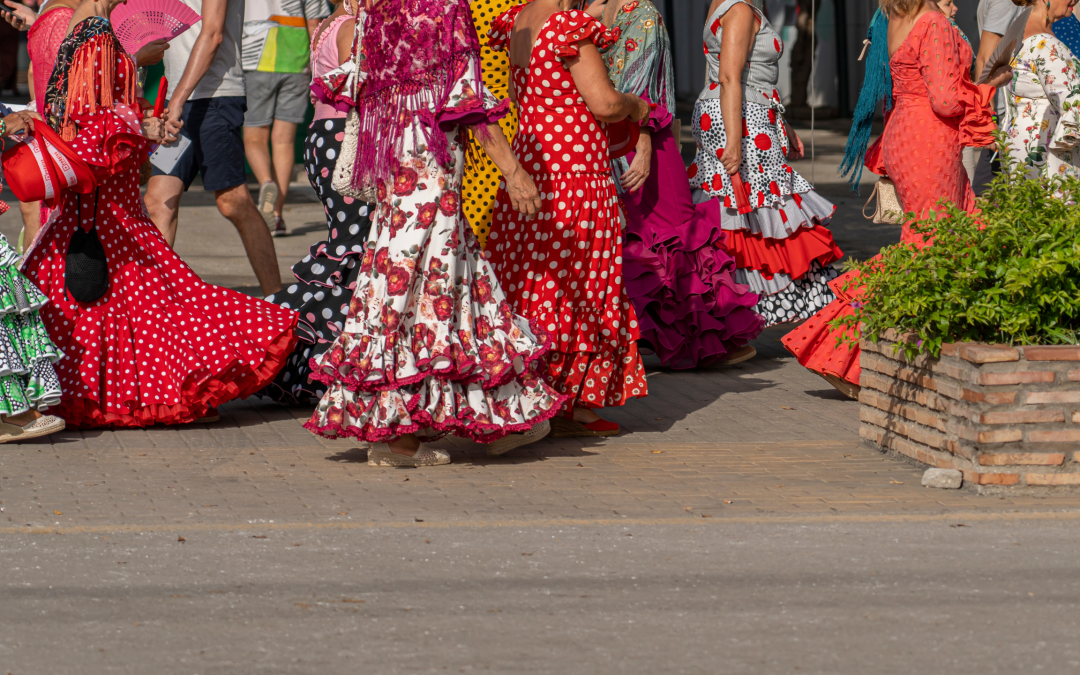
481, 177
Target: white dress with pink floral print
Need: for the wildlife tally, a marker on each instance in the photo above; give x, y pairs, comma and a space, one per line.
430, 344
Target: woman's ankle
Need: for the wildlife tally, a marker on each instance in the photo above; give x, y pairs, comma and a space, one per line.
23, 418
406, 444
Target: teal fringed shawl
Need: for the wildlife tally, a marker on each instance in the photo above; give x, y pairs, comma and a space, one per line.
877, 85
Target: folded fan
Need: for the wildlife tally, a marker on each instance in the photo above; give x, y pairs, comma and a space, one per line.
138, 22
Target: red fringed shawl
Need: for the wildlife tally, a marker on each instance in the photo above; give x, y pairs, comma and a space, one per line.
92, 73
413, 52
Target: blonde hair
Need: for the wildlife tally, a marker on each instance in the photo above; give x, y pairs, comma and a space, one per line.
902, 8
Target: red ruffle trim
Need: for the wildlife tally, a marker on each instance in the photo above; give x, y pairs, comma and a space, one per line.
791, 256
577, 26
481, 432
588, 383
199, 395
501, 27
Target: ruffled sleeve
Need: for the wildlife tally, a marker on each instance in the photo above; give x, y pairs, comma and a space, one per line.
110, 141
470, 102
1061, 82
940, 65
572, 27
977, 127
499, 33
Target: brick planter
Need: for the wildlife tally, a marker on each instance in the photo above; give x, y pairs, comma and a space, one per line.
1007, 417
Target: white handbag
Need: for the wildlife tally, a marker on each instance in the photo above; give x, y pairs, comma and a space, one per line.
887, 209
343, 166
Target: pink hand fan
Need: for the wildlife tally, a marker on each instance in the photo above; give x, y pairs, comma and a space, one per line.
138, 22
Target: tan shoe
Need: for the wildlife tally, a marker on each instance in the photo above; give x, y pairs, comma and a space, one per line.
739, 355
380, 454
514, 441
42, 426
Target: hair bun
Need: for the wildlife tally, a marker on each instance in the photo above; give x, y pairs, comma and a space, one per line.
1023, 3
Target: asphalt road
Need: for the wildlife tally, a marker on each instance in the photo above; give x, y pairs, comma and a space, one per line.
873, 594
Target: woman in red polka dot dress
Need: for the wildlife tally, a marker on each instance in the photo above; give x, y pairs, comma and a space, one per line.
774, 221
563, 268
145, 341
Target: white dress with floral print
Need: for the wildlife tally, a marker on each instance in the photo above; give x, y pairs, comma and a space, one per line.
1044, 108
430, 342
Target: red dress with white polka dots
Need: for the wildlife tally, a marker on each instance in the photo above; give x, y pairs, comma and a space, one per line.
563, 268
161, 346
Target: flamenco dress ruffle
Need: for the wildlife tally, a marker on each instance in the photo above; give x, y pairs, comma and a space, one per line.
690, 309
160, 346
777, 235
27, 377
326, 278
430, 345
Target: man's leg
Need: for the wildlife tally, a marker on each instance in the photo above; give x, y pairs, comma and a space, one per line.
163, 204
284, 151
262, 92
236, 205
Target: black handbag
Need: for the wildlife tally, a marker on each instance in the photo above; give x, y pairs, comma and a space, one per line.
86, 272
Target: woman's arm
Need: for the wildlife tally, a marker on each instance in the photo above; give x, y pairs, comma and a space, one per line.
603, 100
939, 65
738, 40
524, 196
345, 40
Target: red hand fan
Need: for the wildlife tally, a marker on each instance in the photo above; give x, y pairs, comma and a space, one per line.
138, 22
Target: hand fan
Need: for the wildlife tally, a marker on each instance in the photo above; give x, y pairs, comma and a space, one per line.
138, 22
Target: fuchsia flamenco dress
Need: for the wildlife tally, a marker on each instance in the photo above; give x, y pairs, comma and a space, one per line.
937, 111
159, 346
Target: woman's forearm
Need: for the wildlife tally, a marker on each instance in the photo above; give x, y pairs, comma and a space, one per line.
497, 148
731, 110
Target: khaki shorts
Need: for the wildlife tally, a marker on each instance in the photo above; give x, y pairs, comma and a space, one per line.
276, 96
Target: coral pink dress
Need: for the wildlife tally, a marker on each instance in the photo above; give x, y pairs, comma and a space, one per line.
936, 111
563, 268
43, 44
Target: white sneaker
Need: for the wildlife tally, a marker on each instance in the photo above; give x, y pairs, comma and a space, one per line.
268, 194
514, 441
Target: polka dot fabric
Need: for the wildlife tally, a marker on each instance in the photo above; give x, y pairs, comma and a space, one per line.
482, 178
563, 268
326, 277
160, 346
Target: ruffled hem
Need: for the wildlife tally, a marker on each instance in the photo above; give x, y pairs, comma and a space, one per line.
795, 212
489, 365
597, 379
689, 308
791, 257
820, 347
37, 389
800, 300
198, 395
461, 425
472, 115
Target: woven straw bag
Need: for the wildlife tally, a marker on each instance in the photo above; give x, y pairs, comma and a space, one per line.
343, 166
887, 209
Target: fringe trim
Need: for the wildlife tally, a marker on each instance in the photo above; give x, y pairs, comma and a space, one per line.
92, 79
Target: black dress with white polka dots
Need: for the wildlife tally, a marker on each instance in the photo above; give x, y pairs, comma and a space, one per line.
326, 277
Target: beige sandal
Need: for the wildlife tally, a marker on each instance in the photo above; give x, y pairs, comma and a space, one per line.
738, 356
514, 441
42, 426
380, 454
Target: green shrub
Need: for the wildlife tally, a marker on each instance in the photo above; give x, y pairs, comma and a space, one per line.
1008, 274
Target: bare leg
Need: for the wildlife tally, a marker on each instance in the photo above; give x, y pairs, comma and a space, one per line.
163, 204
31, 216
257, 150
283, 140
236, 205
405, 445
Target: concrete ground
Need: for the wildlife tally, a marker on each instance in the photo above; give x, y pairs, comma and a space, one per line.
736, 526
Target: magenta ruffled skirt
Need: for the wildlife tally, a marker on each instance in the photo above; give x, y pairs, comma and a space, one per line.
682, 284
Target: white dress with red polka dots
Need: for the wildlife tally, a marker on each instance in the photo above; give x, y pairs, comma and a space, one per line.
160, 346
563, 268
777, 234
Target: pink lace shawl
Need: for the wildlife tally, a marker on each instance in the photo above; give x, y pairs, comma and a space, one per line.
413, 53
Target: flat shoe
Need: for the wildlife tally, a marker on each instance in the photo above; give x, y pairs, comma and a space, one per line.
738, 356
380, 454
210, 417
562, 427
514, 441
42, 426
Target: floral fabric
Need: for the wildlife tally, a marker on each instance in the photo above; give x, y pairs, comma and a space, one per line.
430, 341
1044, 108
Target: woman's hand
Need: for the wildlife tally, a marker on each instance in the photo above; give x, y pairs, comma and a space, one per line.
638, 173
732, 158
19, 123
1000, 78
796, 151
524, 196
641, 109
19, 16
151, 53
154, 129
596, 9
